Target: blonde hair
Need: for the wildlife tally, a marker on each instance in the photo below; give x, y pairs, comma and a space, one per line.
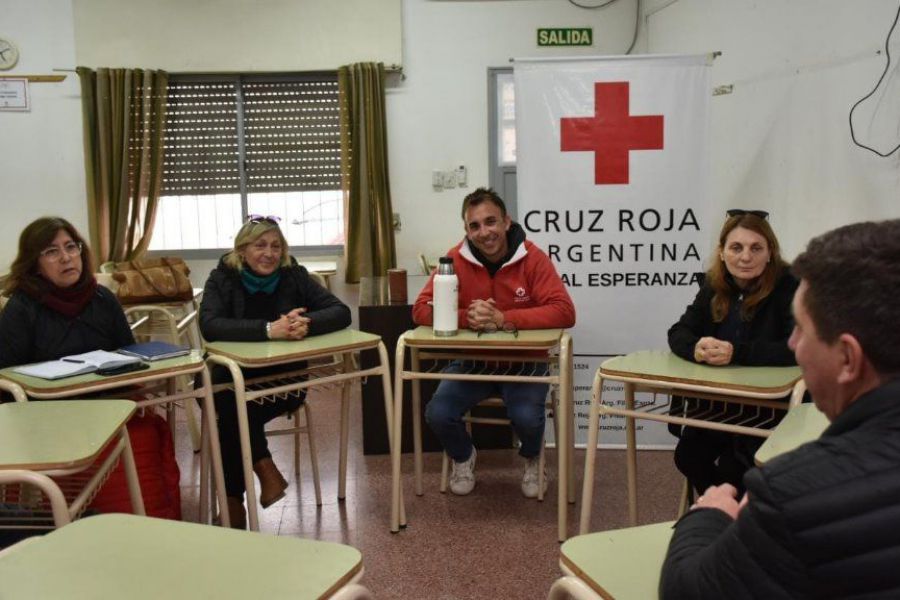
248, 234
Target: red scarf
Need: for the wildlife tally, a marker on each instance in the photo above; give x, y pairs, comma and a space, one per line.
72, 300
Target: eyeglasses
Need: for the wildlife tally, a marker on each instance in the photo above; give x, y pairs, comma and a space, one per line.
273, 219
739, 212
491, 327
55, 253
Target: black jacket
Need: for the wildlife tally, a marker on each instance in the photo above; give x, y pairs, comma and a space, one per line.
823, 521
223, 305
763, 339
32, 332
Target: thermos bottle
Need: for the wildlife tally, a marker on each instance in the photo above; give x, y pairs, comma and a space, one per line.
446, 299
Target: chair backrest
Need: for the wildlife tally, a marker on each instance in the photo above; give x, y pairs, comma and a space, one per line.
105, 279
423, 262
797, 393
318, 279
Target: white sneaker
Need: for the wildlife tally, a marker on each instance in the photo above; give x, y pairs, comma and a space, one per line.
462, 475
531, 478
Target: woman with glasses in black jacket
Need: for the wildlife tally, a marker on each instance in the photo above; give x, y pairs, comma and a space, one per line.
56, 308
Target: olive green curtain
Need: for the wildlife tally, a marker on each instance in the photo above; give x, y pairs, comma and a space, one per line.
369, 248
124, 114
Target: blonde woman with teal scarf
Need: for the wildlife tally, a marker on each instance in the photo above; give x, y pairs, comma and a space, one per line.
258, 292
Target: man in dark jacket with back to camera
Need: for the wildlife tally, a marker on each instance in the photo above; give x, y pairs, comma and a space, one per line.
822, 521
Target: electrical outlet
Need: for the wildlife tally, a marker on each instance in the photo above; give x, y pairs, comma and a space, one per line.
449, 180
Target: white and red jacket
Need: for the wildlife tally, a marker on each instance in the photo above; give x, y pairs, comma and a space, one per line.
526, 288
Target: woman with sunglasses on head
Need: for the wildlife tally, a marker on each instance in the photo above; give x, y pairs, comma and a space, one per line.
55, 306
258, 292
742, 315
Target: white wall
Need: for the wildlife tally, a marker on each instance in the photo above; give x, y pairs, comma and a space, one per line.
437, 117
236, 35
42, 170
781, 140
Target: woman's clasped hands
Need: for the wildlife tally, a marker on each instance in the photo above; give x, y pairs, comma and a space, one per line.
713, 351
292, 326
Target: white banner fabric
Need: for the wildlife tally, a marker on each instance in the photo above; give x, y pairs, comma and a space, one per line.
612, 157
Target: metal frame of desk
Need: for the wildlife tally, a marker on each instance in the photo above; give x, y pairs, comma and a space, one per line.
663, 372
66, 438
167, 370
424, 344
234, 355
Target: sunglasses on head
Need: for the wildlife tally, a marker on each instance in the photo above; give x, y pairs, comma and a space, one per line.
273, 219
739, 212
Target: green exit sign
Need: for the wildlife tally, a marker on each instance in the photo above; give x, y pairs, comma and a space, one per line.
565, 36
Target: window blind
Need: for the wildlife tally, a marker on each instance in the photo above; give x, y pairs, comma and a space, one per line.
288, 128
292, 135
200, 153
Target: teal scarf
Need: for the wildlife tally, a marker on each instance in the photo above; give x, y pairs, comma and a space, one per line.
254, 283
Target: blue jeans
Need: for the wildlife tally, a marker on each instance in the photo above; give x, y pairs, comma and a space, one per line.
525, 406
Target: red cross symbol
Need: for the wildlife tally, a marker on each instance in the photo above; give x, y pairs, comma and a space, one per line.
611, 133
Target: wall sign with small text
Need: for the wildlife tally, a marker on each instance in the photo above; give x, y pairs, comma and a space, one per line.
565, 36
14, 94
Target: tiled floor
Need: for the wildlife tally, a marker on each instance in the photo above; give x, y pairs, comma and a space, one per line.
491, 544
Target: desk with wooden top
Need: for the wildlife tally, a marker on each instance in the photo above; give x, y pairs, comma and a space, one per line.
389, 321
803, 423
622, 564
120, 556
554, 344
339, 345
41, 440
664, 372
626, 563
167, 371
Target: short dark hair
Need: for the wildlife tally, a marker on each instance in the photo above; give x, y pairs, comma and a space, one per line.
34, 239
483, 195
852, 276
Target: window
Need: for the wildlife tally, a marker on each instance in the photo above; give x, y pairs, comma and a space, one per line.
238, 145
502, 135
506, 120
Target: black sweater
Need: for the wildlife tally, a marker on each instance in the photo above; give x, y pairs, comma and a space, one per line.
32, 332
223, 310
823, 521
763, 339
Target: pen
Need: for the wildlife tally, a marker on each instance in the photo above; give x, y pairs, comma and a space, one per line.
73, 360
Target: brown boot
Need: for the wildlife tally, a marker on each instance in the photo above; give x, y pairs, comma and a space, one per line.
236, 513
271, 482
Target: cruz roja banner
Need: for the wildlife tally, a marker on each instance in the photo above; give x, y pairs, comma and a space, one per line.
612, 183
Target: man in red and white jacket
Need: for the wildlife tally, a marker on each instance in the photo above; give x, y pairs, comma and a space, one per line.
506, 282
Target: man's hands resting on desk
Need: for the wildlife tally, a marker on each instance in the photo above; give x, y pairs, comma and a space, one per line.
481, 312
722, 497
713, 351
292, 326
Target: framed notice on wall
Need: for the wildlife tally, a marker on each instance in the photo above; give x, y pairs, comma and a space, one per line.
14, 94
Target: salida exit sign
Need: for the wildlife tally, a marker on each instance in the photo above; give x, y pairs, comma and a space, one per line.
565, 36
